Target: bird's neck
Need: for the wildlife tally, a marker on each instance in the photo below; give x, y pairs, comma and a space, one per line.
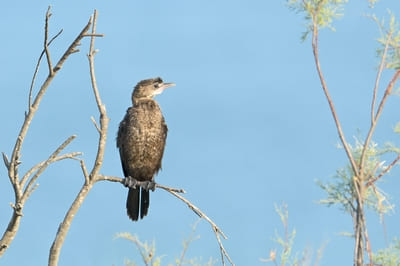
143, 100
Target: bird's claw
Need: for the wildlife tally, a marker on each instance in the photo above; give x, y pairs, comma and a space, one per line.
149, 185
133, 183
130, 182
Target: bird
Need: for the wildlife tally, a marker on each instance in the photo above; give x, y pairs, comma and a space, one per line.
141, 141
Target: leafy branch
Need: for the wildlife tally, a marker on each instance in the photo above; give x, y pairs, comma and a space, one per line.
356, 184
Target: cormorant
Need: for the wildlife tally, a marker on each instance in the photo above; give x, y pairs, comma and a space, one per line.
141, 141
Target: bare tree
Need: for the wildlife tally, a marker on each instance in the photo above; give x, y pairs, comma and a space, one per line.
25, 185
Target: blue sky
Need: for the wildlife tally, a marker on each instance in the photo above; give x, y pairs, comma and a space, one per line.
249, 126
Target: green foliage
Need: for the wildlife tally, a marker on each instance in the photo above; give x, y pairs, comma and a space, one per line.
389, 256
148, 251
397, 128
389, 41
372, 3
342, 190
286, 243
318, 13
145, 249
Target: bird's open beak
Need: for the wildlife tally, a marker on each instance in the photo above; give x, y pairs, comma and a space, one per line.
163, 87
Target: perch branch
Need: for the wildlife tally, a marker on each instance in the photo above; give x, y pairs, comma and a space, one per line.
175, 191
201, 214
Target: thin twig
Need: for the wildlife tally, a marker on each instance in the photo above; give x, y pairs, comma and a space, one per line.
5, 160
186, 243
84, 171
201, 214
378, 78
387, 169
37, 69
177, 190
371, 131
102, 109
45, 44
73, 47
95, 124
43, 165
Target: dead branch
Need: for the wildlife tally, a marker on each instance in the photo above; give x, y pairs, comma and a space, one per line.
92, 177
21, 192
217, 231
176, 191
37, 69
45, 44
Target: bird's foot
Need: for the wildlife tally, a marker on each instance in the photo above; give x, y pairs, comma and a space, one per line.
133, 183
149, 185
130, 182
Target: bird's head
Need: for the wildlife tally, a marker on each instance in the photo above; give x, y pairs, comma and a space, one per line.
148, 88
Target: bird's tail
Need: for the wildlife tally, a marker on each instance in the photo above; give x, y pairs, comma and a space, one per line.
144, 203
132, 203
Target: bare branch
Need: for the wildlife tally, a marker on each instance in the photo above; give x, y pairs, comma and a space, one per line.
29, 192
40, 167
91, 55
378, 78
5, 160
46, 48
35, 105
94, 35
201, 214
102, 109
177, 190
66, 224
71, 155
37, 69
14, 163
110, 178
92, 178
73, 47
85, 172
95, 124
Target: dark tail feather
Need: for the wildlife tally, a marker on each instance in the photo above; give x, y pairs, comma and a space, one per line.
144, 203
132, 204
